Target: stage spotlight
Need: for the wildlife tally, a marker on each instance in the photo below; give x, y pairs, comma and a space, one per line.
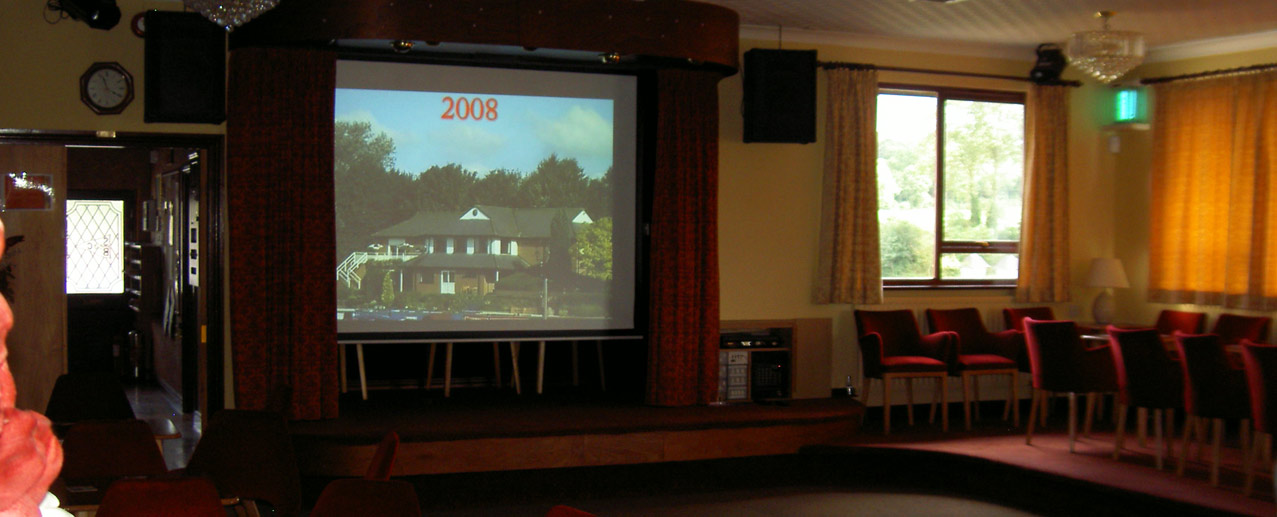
98, 14
1049, 65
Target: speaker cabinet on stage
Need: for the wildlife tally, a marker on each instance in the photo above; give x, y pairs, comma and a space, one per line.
185, 68
780, 96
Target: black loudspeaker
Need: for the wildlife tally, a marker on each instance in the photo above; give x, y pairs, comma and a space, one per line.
780, 96
185, 68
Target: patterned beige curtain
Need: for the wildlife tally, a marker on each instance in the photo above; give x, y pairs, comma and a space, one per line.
850, 267
1214, 214
1044, 229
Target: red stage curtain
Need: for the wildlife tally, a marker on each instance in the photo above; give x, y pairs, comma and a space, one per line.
683, 342
279, 183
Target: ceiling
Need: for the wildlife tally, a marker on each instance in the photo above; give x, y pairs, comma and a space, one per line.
1173, 29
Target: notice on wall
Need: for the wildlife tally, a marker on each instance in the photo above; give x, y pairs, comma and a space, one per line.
26, 191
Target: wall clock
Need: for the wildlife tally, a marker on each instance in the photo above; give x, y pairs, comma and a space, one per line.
107, 88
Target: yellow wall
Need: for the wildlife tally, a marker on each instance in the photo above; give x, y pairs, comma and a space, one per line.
769, 202
42, 64
769, 198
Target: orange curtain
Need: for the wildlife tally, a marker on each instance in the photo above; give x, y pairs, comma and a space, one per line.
1214, 216
279, 197
850, 263
1044, 230
683, 342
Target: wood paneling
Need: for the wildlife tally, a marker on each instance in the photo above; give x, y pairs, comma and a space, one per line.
37, 343
683, 30
323, 458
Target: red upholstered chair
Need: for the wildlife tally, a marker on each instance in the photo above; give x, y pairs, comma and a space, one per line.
87, 396
1060, 363
383, 460
166, 497
347, 497
892, 348
1213, 389
979, 352
567, 511
1147, 378
249, 455
1233, 328
1261, 378
103, 450
1014, 316
1169, 321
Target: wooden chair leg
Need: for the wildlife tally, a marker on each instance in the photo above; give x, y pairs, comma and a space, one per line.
909, 398
1090, 413
1033, 413
944, 403
1072, 420
1141, 426
886, 404
1217, 426
1170, 432
1121, 428
1252, 451
966, 401
975, 388
1189, 425
1157, 436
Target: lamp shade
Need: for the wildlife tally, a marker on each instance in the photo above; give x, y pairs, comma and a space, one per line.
1106, 272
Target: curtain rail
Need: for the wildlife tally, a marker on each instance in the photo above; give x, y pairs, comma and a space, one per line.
830, 65
1211, 73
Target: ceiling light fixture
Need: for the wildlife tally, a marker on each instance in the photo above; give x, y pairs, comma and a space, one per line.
230, 13
1105, 54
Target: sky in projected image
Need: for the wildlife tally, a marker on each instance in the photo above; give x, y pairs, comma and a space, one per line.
524, 130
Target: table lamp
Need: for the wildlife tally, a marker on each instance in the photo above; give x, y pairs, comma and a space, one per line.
1105, 273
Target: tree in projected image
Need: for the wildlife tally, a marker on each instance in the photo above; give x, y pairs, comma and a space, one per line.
448, 239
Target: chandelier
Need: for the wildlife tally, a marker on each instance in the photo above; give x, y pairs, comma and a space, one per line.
1105, 54
230, 13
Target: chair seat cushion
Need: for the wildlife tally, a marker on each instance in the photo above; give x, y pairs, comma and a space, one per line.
911, 363
984, 362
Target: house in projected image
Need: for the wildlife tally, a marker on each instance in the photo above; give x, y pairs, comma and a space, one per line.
467, 251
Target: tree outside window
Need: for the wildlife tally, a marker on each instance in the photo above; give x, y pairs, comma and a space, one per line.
950, 177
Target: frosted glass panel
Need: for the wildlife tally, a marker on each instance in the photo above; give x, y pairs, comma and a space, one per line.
95, 246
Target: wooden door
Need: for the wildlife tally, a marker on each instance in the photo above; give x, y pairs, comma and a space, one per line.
37, 342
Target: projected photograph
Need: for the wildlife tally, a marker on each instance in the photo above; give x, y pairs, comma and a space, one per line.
459, 211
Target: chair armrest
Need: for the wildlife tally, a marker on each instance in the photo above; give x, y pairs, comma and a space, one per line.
940, 345
871, 354
1008, 343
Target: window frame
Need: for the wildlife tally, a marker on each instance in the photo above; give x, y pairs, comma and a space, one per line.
943, 247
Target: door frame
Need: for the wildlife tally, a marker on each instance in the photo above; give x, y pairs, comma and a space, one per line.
212, 249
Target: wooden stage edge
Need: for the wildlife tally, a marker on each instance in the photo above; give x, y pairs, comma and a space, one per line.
682, 440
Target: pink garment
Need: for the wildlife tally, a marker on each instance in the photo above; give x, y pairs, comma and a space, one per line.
30, 456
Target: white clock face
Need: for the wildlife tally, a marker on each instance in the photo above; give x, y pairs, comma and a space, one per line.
107, 88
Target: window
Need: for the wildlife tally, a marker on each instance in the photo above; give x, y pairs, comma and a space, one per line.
950, 177
95, 246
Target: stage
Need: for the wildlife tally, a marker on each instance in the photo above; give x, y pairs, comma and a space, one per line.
486, 430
